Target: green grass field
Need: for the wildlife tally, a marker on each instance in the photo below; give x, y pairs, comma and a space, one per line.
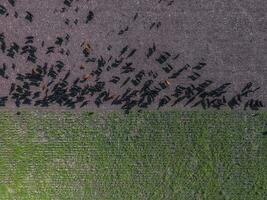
152, 155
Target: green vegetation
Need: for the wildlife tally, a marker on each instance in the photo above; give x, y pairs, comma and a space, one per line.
152, 155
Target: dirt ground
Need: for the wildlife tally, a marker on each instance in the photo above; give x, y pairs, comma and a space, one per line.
72, 54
